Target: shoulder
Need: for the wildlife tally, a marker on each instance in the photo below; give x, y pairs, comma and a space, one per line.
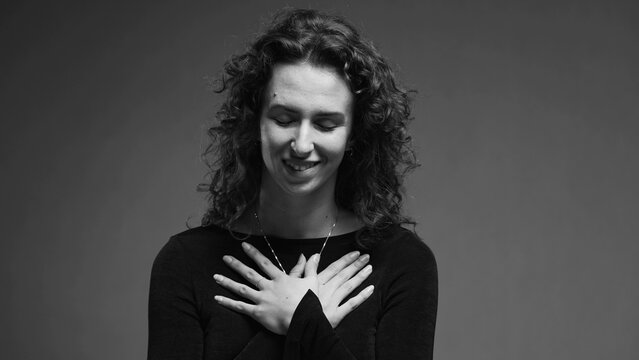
405, 250
399, 239
192, 244
406, 269
199, 234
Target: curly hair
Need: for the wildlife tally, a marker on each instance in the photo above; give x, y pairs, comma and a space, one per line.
370, 177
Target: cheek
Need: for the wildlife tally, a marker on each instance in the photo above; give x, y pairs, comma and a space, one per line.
273, 138
336, 144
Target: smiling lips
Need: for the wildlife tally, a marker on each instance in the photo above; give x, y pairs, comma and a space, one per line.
299, 165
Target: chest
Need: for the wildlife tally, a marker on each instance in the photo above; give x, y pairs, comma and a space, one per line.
227, 333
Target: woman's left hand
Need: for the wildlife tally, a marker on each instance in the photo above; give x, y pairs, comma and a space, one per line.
277, 296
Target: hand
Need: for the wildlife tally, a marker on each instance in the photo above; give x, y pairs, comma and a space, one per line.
277, 296
338, 280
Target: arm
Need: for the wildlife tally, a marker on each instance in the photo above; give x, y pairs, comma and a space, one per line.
406, 326
261, 346
174, 327
175, 330
280, 296
311, 335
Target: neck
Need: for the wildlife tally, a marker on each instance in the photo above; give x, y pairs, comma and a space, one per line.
296, 217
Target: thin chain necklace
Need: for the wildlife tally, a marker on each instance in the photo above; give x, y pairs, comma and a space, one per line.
259, 224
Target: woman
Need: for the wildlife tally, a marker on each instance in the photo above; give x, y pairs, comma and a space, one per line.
301, 255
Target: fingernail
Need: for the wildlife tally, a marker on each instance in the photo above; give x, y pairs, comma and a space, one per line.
353, 255
316, 257
369, 290
217, 298
217, 277
368, 269
364, 258
227, 259
246, 246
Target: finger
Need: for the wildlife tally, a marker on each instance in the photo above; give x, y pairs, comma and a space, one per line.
349, 271
262, 261
248, 273
354, 302
298, 269
337, 266
239, 306
311, 266
239, 289
345, 289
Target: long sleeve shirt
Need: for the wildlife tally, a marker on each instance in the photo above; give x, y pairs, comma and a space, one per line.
396, 322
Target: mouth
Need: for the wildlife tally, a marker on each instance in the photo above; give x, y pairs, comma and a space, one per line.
299, 166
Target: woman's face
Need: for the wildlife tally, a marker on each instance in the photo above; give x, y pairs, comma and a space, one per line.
305, 123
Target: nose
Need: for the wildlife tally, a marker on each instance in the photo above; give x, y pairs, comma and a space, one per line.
302, 142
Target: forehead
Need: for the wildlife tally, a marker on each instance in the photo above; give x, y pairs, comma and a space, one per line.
308, 88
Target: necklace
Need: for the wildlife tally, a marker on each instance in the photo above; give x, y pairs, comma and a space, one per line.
259, 224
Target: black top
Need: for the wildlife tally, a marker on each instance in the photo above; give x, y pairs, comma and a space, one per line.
396, 322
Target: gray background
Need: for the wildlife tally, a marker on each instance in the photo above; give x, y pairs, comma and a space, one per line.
525, 123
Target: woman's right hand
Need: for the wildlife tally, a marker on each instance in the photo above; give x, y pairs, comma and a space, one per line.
339, 280
274, 301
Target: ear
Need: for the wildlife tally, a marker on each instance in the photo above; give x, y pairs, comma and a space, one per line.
350, 145
349, 151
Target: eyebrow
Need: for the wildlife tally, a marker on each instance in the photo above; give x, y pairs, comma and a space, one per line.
333, 114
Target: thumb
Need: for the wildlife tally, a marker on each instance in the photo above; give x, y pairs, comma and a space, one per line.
311, 266
298, 269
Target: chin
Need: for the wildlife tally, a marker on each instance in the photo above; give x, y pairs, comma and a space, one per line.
300, 190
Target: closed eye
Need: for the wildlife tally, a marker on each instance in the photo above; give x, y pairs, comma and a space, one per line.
283, 119
326, 125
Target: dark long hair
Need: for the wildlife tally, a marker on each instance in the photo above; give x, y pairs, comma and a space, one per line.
370, 177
